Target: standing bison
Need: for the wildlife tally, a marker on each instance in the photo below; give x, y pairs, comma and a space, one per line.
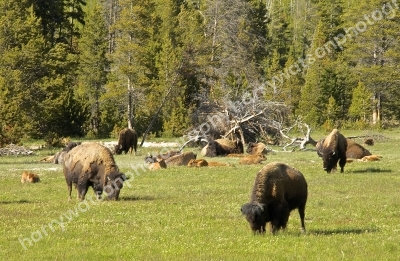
333, 149
277, 190
222, 147
93, 165
127, 141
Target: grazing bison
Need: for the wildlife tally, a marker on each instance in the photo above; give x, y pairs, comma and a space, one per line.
29, 177
127, 141
222, 147
353, 150
277, 190
93, 165
333, 149
253, 159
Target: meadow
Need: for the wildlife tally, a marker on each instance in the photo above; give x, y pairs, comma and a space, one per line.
186, 213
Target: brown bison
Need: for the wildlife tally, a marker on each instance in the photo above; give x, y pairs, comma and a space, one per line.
197, 163
127, 141
222, 147
253, 159
180, 159
155, 163
277, 190
355, 150
93, 165
29, 177
254, 148
333, 150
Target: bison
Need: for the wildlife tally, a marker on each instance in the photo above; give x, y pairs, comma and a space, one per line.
355, 150
29, 177
180, 159
222, 147
127, 141
278, 189
333, 149
197, 163
254, 148
93, 165
252, 159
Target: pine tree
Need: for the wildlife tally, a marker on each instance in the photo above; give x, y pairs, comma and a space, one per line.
94, 65
360, 107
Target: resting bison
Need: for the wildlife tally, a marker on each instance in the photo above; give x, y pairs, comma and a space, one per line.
29, 177
277, 190
254, 148
222, 147
355, 150
197, 163
333, 149
180, 159
93, 165
127, 141
252, 159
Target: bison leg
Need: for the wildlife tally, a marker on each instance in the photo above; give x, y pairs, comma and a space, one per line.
69, 184
280, 217
342, 162
82, 189
301, 209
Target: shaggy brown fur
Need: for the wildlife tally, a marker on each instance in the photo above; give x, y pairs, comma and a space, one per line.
180, 159
127, 141
256, 148
198, 163
333, 149
222, 147
355, 150
278, 189
29, 177
253, 159
89, 153
92, 164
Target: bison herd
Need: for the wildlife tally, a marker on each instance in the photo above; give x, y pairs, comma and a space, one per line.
278, 188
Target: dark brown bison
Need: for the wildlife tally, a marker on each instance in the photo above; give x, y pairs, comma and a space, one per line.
333, 149
277, 190
355, 150
93, 165
222, 147
127, 141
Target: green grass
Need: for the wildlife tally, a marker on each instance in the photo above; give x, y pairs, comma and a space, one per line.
194, 213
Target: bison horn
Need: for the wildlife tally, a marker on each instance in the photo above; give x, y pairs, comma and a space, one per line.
333, 152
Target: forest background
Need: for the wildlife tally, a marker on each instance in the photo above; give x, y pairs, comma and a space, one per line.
89, 68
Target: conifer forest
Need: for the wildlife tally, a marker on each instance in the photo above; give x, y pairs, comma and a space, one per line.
88, 68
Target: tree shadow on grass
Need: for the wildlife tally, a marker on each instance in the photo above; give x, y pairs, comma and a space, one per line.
135, 198
371, 170
22, 201
342, 231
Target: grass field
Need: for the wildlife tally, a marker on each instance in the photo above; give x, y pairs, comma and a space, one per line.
186, 213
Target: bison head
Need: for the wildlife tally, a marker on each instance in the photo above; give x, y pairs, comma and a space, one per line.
330, 159
256, 215
118, 149
114, 183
